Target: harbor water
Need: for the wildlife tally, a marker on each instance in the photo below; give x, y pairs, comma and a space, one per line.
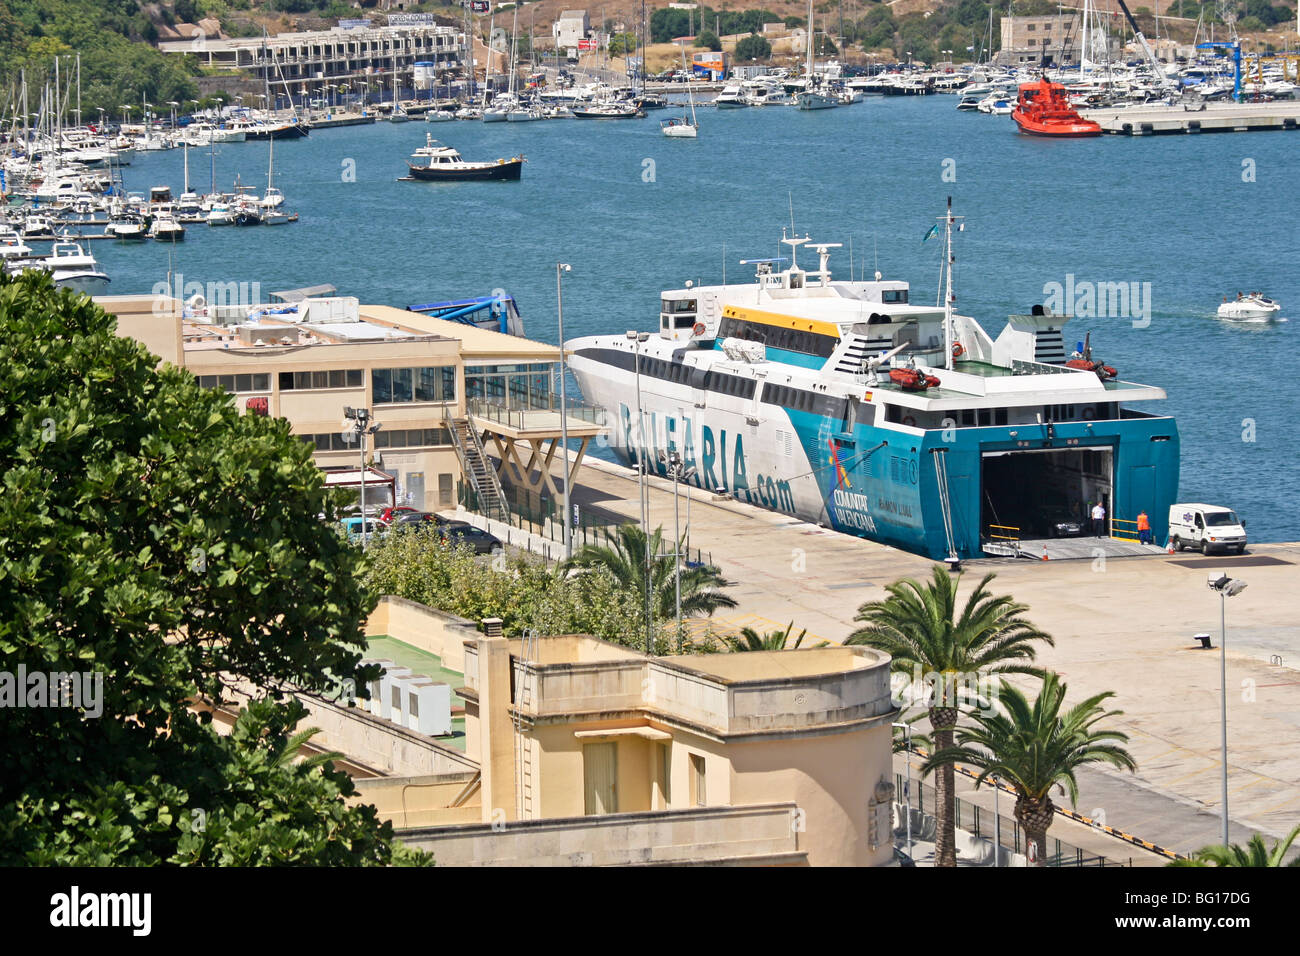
1180, 221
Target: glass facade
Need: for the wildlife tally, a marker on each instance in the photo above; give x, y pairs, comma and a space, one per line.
515, 386
395, 386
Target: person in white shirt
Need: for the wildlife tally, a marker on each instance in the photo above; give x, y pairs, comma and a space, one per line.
1099, 520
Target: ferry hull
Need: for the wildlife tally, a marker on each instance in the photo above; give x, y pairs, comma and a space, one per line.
883, 483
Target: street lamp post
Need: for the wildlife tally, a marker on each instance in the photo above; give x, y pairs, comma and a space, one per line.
997, 826
674, 462
560, 269
907, 795
1227, 587
637, 338
361, 427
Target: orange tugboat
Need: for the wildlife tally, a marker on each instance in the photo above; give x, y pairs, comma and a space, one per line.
1043, 110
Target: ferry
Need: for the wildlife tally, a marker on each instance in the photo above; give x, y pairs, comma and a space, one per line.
845, 404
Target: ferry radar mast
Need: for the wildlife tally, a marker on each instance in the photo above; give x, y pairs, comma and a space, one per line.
949, 299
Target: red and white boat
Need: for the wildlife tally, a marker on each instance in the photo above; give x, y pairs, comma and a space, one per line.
1044, 110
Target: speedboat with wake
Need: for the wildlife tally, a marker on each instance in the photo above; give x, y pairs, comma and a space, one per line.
1249, 307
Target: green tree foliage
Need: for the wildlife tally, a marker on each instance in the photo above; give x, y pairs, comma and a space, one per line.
1253, 853
1035, 747
117, 65
623, 557
922, 629
666, 24
153, 536
752, 48
751, 640
523, 591
708, 40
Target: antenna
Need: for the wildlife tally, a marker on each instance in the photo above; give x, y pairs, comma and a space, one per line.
790, 193
724, 265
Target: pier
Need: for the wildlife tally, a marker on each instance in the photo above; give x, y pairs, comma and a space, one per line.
1122, 624
1209, 118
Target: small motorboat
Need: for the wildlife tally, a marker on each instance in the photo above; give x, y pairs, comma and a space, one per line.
1249, 306
166, 227
439, 116
1043, 109
435, 162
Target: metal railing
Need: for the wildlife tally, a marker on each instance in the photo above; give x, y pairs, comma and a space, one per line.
514, 414
979, 821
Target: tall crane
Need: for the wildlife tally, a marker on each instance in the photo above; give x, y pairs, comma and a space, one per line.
1164, 81
1235, 47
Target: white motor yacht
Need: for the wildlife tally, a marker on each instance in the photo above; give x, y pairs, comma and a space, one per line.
732, 97
73, 268
1249, 306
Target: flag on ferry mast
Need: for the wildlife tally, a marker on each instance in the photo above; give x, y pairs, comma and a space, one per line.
934, 231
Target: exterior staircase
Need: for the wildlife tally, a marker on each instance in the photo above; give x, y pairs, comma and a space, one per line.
478, 472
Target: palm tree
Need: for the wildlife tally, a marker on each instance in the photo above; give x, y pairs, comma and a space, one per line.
919, 627
1253, 853
750, 640
623, 555
1036, 747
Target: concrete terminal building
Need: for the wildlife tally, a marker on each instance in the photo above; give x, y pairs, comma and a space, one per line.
308, 62
438, 387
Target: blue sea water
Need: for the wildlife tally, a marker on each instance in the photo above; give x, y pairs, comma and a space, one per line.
1196, 217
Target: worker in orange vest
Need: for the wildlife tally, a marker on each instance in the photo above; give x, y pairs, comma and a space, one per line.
1144, 528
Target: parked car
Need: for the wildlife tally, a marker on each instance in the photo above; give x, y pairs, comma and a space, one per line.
462, 532
1058, 521
352, 526
413, 519
386, 515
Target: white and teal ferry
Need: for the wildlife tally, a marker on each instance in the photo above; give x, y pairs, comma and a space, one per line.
818, 398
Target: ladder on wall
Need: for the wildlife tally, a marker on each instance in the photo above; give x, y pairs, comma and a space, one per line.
525, 676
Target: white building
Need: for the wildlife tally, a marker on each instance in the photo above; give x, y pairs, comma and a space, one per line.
309, 61
572, 26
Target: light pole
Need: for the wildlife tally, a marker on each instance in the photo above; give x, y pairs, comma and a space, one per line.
637, 338
1227, 587
674, 462
997, 826
361, 427
560, 269
907, 793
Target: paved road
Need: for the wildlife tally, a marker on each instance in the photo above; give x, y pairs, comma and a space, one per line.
1121, 624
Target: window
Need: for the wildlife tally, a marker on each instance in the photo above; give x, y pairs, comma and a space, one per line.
391, 386
666, 773
333, 378
894, 295
260, 382
698, 791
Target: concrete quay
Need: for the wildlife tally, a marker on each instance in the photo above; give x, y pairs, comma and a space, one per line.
1121, 624
1210, 118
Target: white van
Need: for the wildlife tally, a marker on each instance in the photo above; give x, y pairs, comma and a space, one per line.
1206, 528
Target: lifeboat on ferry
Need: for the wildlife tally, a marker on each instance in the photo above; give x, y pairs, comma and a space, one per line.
1083, 360
912, 379
1044, 110
1104, 372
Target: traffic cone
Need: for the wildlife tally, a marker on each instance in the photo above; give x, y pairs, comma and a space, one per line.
1169, 547
1045, 557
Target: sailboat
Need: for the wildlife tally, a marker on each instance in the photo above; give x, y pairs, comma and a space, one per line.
272, 198
398, 115
189, 207
677, 127
810, 97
